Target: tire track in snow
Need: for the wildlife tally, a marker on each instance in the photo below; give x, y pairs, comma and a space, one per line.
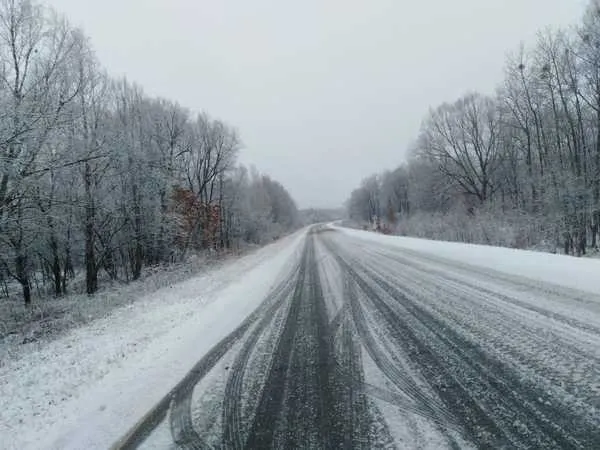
233, 432
563, 358
297, 405
428, 406
413, 399
178, 399
516, 413
354, 408
448, 277
556, 376
303, 398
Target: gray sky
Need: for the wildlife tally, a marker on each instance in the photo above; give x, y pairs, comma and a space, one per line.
323, 92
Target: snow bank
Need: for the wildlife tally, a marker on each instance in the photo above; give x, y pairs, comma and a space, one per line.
565, 271
90, 387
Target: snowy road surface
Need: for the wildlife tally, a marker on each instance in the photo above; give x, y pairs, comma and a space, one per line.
364, 344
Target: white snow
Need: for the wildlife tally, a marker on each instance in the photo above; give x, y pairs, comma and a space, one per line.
87, 389
566, 271
537, 314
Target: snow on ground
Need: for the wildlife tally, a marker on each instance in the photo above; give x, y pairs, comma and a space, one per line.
566, 271
89, 387
49, 318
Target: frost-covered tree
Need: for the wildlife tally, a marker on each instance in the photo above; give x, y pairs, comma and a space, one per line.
39, 79
98, 177
524, 162
462, 139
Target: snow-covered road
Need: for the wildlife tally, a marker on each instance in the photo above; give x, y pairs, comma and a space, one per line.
503, 360
346, 339
368, 343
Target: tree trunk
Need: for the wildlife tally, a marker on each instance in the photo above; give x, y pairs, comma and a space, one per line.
68, 264
23, 277
56, 271
581, 245
91, 269
567, 242
160, 252
138, 251
594, 229
596, 184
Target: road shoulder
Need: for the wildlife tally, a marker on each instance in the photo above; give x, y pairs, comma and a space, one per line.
88, 387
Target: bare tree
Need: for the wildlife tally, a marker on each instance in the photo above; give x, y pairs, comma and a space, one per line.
463, 139
37, 81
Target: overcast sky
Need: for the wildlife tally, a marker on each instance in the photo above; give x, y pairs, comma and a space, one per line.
323, 92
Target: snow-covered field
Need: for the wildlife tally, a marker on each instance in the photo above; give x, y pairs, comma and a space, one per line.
561, 270
90, 386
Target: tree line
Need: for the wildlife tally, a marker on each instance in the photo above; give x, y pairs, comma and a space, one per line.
96, 175
524, 161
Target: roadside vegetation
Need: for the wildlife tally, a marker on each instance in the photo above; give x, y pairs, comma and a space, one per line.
518, 168
102, 185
